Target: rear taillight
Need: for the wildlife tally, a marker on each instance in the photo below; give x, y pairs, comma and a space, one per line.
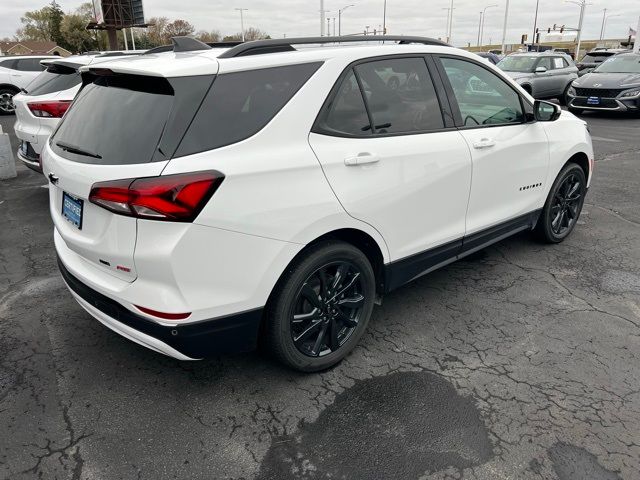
49, 109
176, 198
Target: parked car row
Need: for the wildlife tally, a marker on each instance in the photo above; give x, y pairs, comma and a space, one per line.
210, 200
46, 98
16, 72
605, 79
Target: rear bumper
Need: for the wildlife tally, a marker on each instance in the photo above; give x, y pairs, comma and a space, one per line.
32, 163
230, 334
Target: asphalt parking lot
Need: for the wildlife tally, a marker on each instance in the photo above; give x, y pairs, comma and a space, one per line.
520, 362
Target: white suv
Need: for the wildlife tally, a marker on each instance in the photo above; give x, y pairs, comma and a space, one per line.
42, 104
16, 72
209, 200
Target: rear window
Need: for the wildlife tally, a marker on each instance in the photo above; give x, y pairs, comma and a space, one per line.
115, 120
595, 58
56, 78
240, 104
29, 65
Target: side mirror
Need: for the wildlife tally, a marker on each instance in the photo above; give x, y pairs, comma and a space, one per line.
541, 69
546, 111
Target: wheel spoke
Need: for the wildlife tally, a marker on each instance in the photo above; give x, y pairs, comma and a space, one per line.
348, 286
311, 296
334, 344
341, 273
315, 351
307, 331
324, 283
304, 317
555, 222
346, 320
352, 302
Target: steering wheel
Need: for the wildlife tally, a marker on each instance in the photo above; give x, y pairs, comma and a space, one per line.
469, 117
487, 121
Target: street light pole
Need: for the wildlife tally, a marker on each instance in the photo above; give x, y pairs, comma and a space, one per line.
504, 28
535, 24
384, 17
242, 10
449, 15
322, 18
340, 18
450, 22
604, 19
636, 45
583, 5
484, 18
604, 24
479, 27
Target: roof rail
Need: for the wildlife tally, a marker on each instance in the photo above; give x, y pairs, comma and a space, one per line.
258, 47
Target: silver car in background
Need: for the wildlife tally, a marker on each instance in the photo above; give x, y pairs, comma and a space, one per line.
543, 75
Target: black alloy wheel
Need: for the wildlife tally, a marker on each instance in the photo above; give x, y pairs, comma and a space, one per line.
320, 307
564, 204
327, 309
6, 101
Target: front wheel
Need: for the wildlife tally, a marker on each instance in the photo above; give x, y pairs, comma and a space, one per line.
563, 206
321, 307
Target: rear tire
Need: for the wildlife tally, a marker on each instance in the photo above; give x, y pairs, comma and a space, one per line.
563, 206
320, 307
564, 99
6, 101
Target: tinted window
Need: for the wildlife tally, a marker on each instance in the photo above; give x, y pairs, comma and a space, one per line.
400, 95
29, 65
483, 97
55, 78
8, 63
115, 120
240, 104
596, 57
346, 113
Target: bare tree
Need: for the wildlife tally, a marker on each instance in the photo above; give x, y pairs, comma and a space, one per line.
212, 36
178, 28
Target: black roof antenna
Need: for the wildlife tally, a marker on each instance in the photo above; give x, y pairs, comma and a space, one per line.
188, 44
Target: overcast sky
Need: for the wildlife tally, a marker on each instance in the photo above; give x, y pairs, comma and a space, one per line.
408, 17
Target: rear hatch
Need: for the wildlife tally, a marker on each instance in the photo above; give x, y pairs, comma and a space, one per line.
120, 126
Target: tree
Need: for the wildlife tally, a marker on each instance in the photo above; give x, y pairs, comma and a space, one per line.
76, 37
55, 22
36, 25
155, 35
212, 36
178, 28
250, 34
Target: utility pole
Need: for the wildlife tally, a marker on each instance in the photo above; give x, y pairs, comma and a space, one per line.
322, 18
504, 28
328, 27
604, 19
449, 15
242, 10
535, 24
384, 17
450, 22
124, 35
636, 45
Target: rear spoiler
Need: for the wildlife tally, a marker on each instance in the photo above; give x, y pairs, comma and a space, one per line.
188, 44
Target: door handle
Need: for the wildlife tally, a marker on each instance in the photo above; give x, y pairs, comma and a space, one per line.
361, 159
484, 143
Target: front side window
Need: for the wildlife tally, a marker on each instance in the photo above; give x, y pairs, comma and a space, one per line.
518, 63
545, 62
483, 97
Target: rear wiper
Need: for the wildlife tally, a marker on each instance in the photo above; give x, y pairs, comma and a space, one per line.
78, 151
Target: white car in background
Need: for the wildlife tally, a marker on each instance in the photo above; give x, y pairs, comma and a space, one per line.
45, 100
16, 72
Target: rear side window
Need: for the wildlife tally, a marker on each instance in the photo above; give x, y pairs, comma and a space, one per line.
55, 78
8, 63
115, 120
29, 65
346, 114
240, 104
400, 95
